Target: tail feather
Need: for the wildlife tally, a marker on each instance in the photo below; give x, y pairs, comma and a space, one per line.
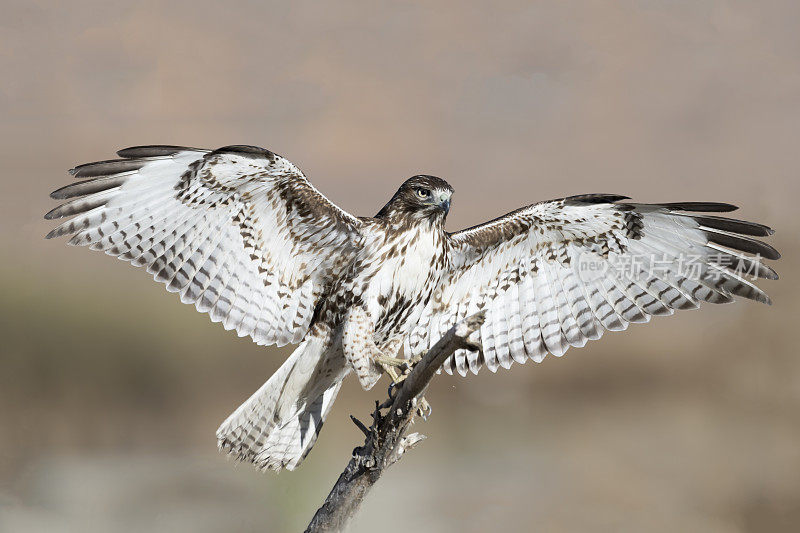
288, 445
278, 425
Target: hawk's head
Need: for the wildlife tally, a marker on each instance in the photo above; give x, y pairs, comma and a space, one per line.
420, 197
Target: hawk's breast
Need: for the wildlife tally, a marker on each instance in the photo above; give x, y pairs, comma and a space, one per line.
404, 271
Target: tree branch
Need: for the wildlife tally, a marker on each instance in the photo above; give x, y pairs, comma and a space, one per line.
386, 439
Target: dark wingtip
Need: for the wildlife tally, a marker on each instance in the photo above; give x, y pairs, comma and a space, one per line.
770, 251
733, 225
743, 244
106, 168
153, 150
596, 198
247, 151
52, 214
709, 207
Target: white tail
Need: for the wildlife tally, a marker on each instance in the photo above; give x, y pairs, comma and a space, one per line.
277, 426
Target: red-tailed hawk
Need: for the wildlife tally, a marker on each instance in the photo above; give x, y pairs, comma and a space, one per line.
240, 233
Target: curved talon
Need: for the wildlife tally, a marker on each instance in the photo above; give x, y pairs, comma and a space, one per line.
392, 372
424, 409
393, 388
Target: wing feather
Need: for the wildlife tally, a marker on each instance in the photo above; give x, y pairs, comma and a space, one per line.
239, 232
558, 274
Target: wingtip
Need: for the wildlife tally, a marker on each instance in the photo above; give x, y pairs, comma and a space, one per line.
770, 252
708, 207
597, 198
155, 150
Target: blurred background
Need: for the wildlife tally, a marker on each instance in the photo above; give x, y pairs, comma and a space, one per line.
111, 390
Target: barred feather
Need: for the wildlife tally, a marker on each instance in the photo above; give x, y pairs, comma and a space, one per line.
219, 227
554, 305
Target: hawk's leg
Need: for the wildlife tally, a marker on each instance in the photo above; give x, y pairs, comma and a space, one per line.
424, 409
366, 358
394, 366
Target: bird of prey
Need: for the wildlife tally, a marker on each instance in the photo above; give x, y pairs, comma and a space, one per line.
243, 235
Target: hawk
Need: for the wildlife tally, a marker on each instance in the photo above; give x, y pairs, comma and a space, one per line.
243, 235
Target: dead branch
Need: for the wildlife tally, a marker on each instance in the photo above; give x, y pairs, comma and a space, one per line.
386, 439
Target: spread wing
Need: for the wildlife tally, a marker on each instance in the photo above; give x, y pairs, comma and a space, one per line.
557, 274
238, 231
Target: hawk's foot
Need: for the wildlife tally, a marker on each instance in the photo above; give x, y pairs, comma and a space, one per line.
388, 360
396, 367
398, 370
392, 372
424, 409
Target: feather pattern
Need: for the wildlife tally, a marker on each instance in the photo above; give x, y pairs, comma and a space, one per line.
557, 274
238, 231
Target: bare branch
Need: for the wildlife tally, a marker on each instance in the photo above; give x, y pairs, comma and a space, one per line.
360, 425
386, 440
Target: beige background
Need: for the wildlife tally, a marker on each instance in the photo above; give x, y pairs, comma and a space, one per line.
110, 390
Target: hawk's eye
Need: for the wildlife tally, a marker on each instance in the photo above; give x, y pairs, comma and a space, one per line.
423, 193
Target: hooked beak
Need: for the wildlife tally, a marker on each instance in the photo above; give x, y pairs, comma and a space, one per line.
444, 203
